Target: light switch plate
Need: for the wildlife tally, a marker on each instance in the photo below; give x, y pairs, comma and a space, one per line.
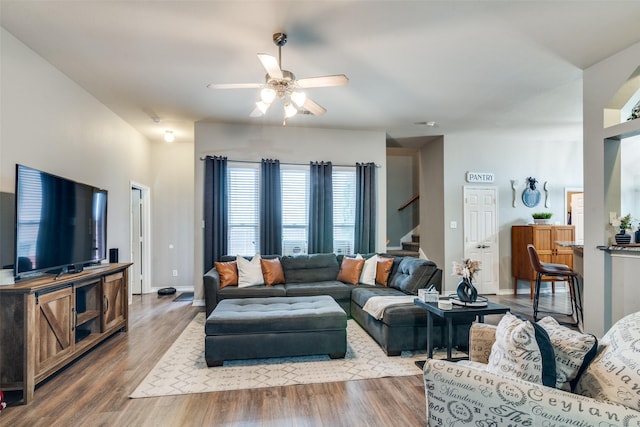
453, 224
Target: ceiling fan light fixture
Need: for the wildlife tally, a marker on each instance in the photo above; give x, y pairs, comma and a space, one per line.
169, 136
262, 106
289, 110
267, 95
299, 98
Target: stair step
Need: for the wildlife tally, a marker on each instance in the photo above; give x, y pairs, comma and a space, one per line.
399, 252
415, 238
411, 246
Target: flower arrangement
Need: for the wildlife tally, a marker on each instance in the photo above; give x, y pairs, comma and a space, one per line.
467, 269
623, 223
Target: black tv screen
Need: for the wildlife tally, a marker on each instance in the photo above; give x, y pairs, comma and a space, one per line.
60, 223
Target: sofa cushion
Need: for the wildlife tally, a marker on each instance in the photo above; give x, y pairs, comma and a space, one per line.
249, 272
350, 270
614, 374
409, 315
272, 271
310, 268
523, 350
361, 294
258, 291
333, 288
228, 272
412, 274
383, 270
573, 351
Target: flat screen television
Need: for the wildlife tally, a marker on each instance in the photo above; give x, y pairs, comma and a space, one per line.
61, 225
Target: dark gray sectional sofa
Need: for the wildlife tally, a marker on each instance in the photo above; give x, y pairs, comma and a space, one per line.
403, 327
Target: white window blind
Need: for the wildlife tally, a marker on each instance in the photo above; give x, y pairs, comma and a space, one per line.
295, 210
243, 220
344, 210
244, 208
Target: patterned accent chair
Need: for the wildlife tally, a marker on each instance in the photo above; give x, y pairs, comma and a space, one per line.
605, 392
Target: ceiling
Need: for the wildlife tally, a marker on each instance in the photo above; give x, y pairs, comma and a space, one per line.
468, 66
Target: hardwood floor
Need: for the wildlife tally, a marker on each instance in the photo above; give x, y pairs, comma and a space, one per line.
93, 391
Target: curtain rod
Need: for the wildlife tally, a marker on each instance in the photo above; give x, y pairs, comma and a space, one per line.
287, 163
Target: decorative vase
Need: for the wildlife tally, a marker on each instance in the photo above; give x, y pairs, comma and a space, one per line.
623, 238
466, 291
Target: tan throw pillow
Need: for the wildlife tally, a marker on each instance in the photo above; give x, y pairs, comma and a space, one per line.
350, 270
573, 350
272, 271
523, 350
383, 270
481, 339
228, 272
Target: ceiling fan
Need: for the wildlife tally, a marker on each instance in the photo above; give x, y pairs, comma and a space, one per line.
282, 84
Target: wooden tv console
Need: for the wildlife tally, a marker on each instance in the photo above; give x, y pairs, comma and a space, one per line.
46, 323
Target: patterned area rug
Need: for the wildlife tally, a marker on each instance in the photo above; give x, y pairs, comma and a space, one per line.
183, 370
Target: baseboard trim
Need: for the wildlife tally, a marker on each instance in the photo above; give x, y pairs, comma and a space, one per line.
560, 288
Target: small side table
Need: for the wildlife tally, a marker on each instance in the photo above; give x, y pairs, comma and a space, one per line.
449, 315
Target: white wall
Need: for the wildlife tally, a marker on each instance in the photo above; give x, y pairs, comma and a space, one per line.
52, 124
172, 200
630, 179
287, 144
601, 82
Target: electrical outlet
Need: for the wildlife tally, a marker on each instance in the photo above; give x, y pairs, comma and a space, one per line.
175, 273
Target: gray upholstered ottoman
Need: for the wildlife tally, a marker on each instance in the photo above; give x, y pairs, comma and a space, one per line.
253, 328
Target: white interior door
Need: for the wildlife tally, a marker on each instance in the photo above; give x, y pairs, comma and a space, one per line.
481, 235
136, 241
577, 216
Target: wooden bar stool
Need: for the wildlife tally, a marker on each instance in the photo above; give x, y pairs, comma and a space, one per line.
558, 271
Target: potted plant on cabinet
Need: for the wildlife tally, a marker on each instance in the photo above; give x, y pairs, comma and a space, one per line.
542, 217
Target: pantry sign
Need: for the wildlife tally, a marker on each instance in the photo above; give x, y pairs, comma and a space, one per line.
483, 177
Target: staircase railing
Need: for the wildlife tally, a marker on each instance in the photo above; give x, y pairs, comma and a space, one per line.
413, 199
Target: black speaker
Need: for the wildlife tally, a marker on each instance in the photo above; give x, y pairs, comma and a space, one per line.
113, 256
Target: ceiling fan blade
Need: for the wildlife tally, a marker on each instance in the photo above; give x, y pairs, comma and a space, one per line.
313, 107
234, 85
270, 64
323, 81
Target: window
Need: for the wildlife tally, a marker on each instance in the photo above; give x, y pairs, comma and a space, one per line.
244, 220
295, 210
344, 210
244, 204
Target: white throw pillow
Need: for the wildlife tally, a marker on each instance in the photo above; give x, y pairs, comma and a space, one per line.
249, 272
614, 375
523, 350
368, 275
572, 349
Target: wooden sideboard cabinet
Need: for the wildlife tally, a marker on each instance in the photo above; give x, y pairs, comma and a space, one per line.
544, 238
46, 323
